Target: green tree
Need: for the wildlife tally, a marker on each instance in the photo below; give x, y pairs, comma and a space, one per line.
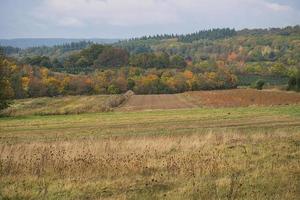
130, 84
259, 84
112, 57
177, 62
294, 81
112, 89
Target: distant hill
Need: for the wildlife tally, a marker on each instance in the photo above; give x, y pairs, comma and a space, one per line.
37, 42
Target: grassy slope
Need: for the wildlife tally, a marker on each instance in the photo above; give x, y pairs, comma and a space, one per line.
231, 153
145, 123
57, 105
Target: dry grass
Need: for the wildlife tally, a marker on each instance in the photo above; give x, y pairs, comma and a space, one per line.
240, 153
227, 165
64, 105
56, 105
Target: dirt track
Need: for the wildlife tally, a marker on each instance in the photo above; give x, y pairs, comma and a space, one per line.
222, 98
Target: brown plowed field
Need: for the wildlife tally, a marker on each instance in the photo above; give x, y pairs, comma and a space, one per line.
163, 101
221, 98
244, 97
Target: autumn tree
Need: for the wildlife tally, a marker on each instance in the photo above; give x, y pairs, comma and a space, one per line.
6, 92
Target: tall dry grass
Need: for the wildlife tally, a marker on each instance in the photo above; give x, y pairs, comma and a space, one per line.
214, 165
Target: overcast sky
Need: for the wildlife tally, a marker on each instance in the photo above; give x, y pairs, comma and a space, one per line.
131, 18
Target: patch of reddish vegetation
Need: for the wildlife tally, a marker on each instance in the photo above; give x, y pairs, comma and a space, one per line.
219, 98
244, 97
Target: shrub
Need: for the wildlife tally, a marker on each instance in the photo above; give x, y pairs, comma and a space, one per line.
115, 101
259, 84
294, 82
112, 89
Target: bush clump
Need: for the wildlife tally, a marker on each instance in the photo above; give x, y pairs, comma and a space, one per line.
294, 82
259, 84
116, 100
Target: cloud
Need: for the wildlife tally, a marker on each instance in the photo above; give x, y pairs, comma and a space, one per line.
278, 7
114, 12
129, 18
155, 12
71, 22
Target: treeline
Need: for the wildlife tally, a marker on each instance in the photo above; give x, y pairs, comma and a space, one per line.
45, 56
44, 50
211, 34
286, 31
8, 50
106, 57
220, 33
22, 81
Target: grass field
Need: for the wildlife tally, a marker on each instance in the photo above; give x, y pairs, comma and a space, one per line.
200, 153
64, 105
57, 105
104, 103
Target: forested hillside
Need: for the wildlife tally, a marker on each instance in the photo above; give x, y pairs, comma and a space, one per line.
205, 60
257, 51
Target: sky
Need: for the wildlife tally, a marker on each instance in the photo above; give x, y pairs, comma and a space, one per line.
133, 18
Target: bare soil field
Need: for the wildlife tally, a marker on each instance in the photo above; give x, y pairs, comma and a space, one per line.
162, 101
221, 98
244, 97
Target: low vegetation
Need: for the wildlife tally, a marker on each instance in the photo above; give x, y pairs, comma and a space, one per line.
131, 102
58, 105
65, 105
294, 82
259, 84
229, 153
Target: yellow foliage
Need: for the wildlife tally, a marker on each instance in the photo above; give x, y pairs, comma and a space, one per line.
44, 72
170, 82
25, 82
211, 75
13, 68
150, 78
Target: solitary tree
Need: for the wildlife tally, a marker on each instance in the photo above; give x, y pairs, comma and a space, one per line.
259, 84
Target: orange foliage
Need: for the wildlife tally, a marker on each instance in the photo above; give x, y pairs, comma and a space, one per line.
188, 74
232, 57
